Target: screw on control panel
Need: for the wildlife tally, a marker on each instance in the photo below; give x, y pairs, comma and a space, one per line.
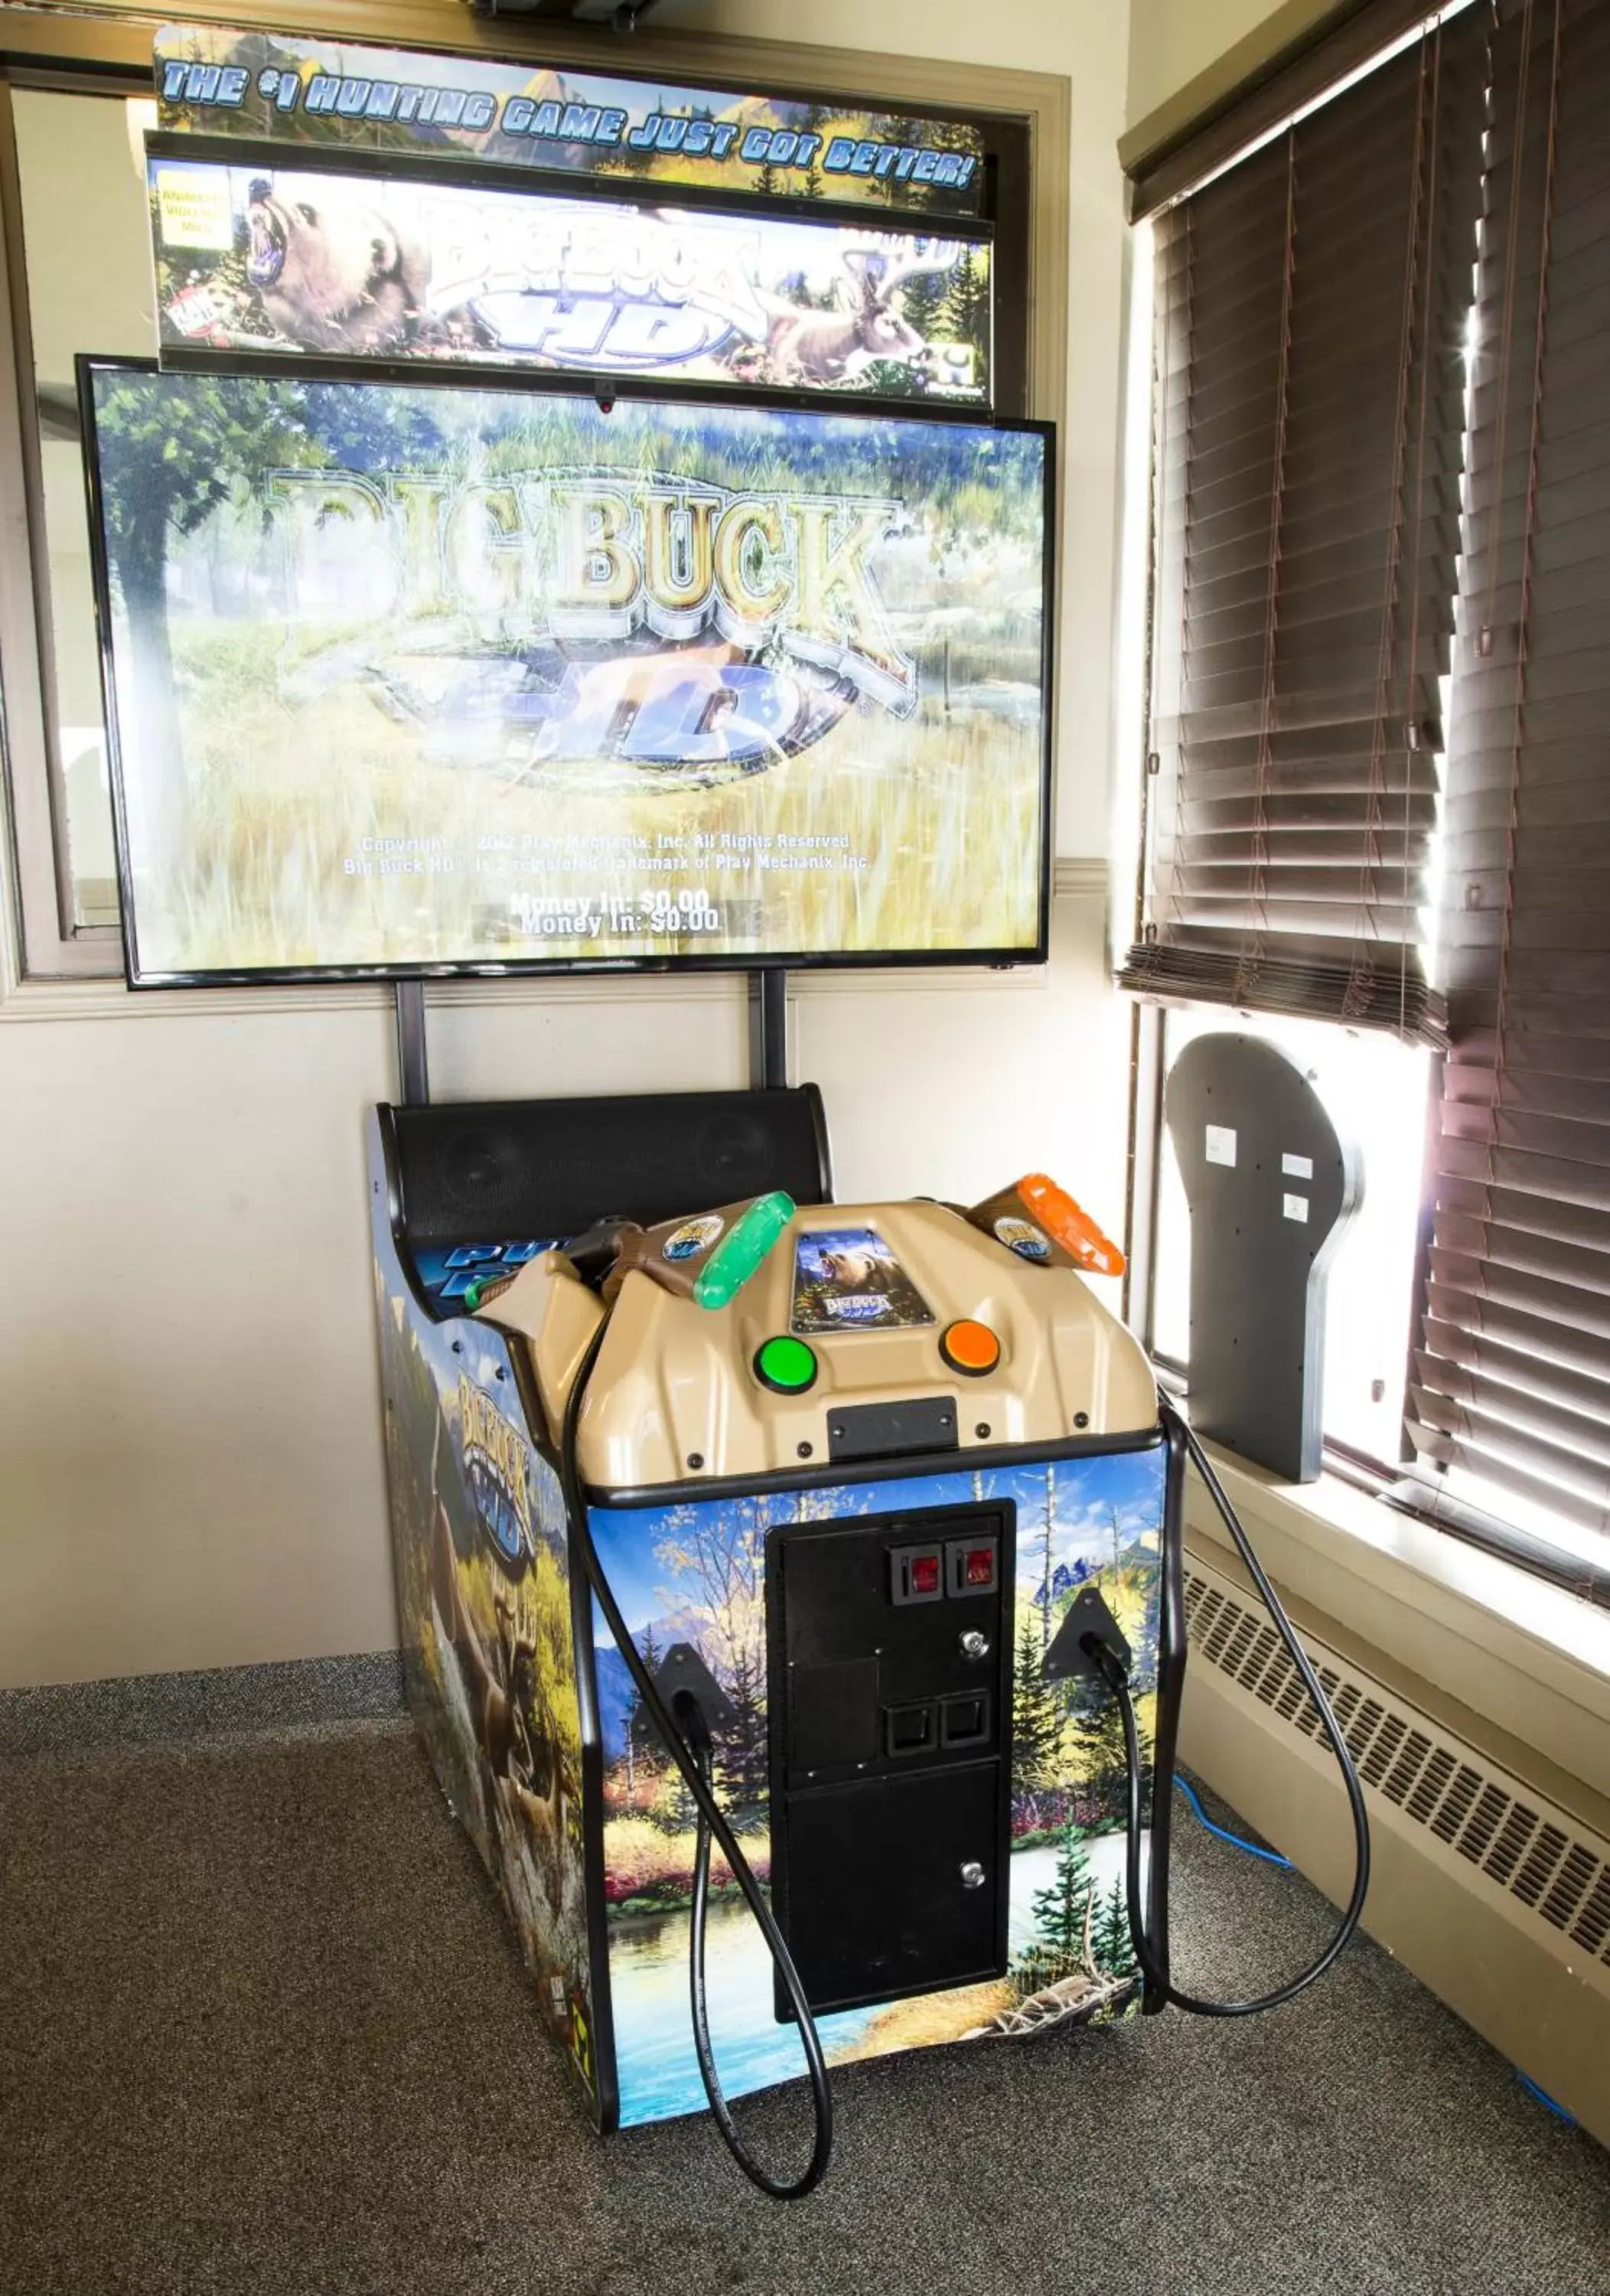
804, 1449
1081, 1418
982, 1430
972, 1874
696, 1460
974, 1645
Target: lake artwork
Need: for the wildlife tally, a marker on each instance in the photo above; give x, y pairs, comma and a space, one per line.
694, 1572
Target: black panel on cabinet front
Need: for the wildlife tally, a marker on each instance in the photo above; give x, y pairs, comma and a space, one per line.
877, 1906
890, 1779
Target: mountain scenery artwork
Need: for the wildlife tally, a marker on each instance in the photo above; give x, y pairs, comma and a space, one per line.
694, 1572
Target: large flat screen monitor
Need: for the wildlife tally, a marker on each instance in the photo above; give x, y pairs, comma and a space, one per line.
410, 679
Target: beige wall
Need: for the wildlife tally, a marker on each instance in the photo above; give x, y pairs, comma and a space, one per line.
189, 1430
1174, 43
190, 1462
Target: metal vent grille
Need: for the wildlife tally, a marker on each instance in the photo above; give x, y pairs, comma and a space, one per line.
1565, 1880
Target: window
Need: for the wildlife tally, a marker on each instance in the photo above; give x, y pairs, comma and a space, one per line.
1331, 834
1308, 422
1511, 1401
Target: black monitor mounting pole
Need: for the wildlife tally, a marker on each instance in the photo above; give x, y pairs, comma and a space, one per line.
413, 1072
768, 1036
768, 1028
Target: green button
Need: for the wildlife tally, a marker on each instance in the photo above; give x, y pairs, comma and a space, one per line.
786, 1365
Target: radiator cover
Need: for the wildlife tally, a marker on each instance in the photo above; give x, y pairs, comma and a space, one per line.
1496, 1900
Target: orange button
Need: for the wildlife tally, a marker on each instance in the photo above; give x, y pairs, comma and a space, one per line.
969, 1347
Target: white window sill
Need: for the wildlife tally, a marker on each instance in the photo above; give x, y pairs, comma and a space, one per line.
1527, 1664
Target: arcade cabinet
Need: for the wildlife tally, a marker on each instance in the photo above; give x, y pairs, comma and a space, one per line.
791, 1590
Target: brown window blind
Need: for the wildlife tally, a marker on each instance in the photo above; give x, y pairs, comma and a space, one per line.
1311, 306
1512, 1374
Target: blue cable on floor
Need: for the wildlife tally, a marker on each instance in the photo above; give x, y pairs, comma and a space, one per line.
1543, 2097
1269, 1857
1273, 1857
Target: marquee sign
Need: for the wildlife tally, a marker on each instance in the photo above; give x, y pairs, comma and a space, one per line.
374, 264
329, 93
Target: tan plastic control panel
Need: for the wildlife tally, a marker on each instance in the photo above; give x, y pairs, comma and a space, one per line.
882, 1304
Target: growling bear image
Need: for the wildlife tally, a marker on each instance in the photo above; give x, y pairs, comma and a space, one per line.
845, 1277
332, 271
858, 1268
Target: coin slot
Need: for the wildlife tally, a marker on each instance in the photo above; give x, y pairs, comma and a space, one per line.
908, 1729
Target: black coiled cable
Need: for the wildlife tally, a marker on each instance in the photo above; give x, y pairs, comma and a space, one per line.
694, 1763
1112, 1673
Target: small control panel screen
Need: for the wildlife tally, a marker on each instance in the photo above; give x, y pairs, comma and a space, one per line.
847, 1279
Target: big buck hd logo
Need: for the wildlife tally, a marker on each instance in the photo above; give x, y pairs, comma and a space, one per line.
685, 629
496, 1463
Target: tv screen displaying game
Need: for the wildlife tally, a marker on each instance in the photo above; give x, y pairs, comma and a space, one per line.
411, 680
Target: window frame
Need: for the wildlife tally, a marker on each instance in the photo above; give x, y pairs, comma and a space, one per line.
49, 944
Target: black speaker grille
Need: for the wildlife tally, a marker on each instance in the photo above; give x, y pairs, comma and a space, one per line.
499, 1169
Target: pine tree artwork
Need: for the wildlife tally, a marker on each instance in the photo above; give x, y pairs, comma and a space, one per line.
966, 307
644, 1751
922, 301
741, 1753
1059, 1909
1096, 1729
1036, 1730
1111, 1948
1062, 1913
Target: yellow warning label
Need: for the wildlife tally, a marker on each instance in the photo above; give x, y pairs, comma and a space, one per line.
192, 207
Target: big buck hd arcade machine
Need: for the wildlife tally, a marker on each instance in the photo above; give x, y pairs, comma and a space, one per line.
789, 1591
832, 1535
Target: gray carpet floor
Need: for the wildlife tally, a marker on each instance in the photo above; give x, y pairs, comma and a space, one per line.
261, 2030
